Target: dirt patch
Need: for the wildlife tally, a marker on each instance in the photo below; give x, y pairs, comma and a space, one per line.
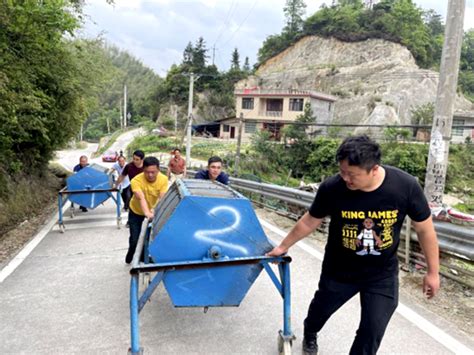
28, 206
13, 241
454, 303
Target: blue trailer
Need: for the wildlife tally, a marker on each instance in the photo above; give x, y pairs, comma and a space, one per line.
206, 236
89, 187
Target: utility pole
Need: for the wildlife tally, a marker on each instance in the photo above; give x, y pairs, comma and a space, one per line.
175, 113
121, 114
239, 142
213, 53
190, 119
124, 106
445, 98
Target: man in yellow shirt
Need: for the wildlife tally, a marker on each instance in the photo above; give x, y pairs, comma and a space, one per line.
148, 188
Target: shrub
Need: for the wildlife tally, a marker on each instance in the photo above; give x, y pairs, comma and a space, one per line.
411, 158
322, 160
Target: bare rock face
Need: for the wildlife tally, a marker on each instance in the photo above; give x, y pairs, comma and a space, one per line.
376, 81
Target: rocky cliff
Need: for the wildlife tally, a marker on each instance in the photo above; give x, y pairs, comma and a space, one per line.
376, 81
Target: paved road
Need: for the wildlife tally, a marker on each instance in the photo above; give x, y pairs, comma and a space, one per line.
69, 158
71, 294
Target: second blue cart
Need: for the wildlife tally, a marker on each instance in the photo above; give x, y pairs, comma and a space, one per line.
207, 237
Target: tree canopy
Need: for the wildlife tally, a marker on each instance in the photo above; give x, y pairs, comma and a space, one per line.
44, 88
401, 21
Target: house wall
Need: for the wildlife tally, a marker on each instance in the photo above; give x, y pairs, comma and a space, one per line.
322, 109
458, 136
249, 128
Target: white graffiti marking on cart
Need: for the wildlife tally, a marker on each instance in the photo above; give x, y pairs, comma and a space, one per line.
207, 235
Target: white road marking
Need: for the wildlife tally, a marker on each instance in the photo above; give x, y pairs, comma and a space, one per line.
425, 325
22, 255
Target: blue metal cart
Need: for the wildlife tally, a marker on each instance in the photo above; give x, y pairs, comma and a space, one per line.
205, 235
89, 187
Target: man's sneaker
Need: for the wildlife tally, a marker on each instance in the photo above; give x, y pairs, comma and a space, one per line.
83, 209
310, 344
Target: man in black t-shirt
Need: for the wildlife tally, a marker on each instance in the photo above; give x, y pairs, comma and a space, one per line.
367, 203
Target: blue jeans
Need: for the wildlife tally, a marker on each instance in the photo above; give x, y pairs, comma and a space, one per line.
378, 300
135, 222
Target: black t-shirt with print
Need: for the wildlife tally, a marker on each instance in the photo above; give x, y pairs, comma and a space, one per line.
352, 254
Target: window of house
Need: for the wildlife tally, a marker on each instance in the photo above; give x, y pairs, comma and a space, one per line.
226, 128
296, 104
250, 127
247, 103
275, 105
458, 131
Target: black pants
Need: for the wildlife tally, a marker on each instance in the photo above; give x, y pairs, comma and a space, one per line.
135, 222
378, 301
126, 196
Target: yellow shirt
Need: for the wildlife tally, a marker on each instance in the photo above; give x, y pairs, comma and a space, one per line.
151, 191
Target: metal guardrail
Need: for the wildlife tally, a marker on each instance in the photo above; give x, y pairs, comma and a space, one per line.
453, 239
285, 194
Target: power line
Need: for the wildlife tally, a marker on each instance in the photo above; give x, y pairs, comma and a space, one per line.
238, 28
226, 21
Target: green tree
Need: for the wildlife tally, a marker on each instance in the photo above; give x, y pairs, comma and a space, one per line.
271, 46
246, 67
422, 115
298, 143
466, 73
294, 11
235, 62
188, 54
321, 160
44, 87
199, 55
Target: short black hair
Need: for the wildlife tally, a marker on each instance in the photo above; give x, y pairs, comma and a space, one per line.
176, 149
139, 153
360, 151
149, 161
214, 159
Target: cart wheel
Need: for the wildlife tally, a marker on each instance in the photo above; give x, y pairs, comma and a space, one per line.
284, 346
140, 352
62, 228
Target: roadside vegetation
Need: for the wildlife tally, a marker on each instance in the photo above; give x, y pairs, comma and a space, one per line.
201, 149
310, 160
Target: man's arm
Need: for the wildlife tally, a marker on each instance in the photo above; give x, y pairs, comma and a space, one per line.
305, 226
119, 180
168, 172
429, 244
143, 204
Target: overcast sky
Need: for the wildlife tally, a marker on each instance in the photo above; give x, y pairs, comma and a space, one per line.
157, 31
